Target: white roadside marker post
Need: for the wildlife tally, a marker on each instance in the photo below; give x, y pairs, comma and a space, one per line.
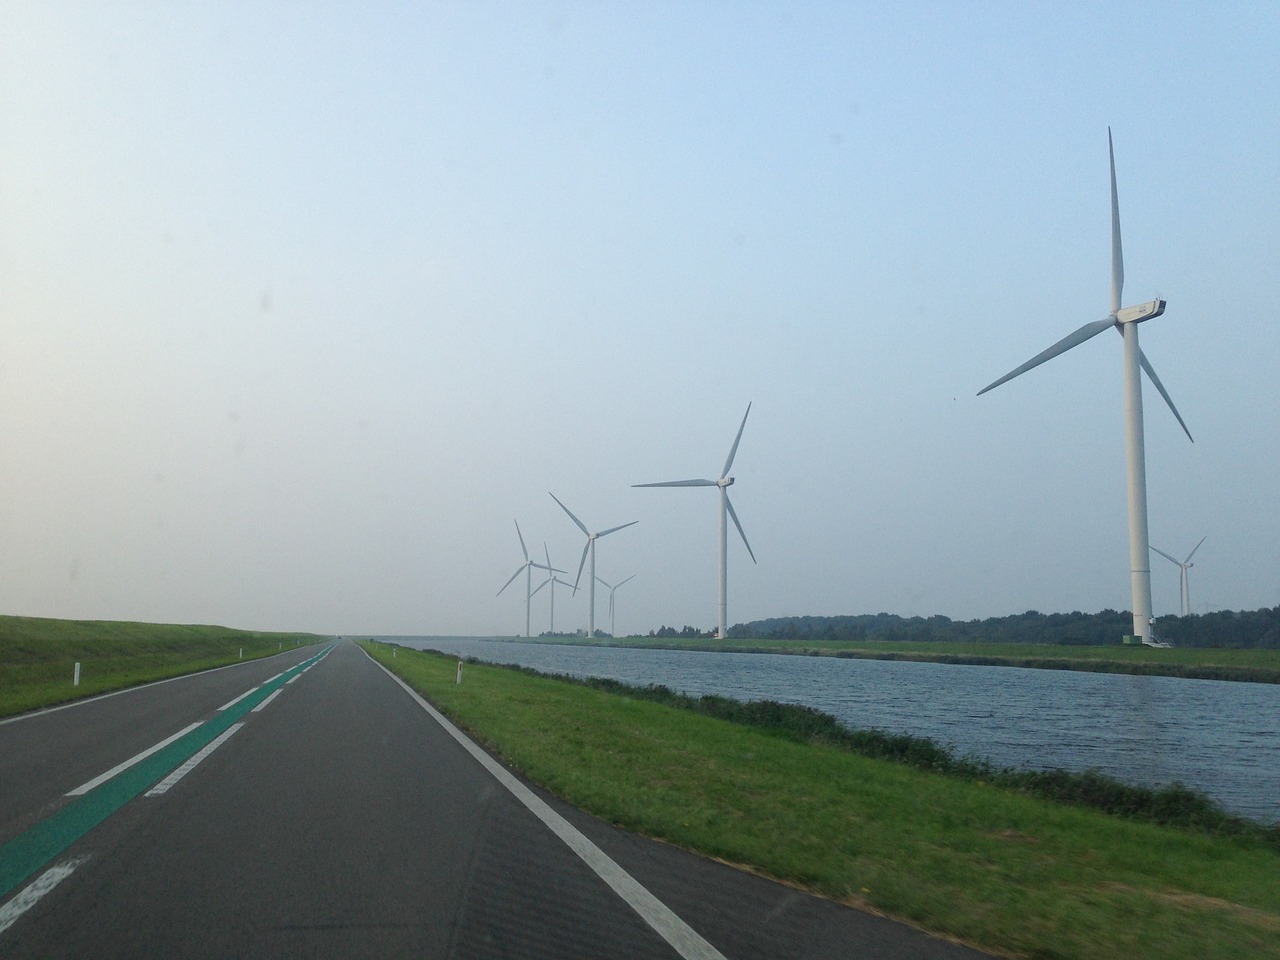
459, 680
75, 679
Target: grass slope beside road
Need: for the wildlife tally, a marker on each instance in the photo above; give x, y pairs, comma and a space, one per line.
38, 656
995, 868
1205, 663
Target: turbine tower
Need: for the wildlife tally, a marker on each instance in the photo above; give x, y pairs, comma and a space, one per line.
527, 568
1183, 581
590, 547
612, 590
1126, 321
726, 511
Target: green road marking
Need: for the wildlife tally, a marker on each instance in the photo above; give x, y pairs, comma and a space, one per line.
31, 851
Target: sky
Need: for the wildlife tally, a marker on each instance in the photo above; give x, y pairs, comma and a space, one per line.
302, 307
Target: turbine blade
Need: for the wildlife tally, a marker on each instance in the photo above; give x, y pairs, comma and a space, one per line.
1117, 255
539, 587
728, 503
581, 563
604, 533
1088, 331
521, 536
602, 580
548, 553
1189, 555
539, 566
633, 576
1165, 555
679, 483
734, 449
571, 516
1151, 373
519, 571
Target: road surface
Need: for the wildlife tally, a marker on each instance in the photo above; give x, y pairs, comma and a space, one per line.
314, 807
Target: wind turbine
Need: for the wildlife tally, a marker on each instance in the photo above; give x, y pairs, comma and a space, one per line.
527, 568
589, 548
612, 590
726, 510
553, 580
1183, 567
1125, 321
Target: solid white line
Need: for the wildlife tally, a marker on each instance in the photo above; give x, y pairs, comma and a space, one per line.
688, 943
276, 677
120, 767
292, 679
31, 895
232, 703
164, 785
274, 693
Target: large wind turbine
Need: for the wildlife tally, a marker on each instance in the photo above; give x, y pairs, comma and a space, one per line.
527, 568
612, 590
1183, 581
726, 510
589, 548
1126, 321
553, 580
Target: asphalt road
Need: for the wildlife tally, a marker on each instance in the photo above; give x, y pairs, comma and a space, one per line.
338, 817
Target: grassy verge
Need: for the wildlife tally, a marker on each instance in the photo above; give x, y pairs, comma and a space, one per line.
1205, 663
1012, 873
37, 656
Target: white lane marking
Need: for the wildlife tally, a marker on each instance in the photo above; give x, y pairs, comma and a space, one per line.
142, 686
686, 941
31, 895
293, 679
164, 785
121, 767
274, 693
276, 677
231, 703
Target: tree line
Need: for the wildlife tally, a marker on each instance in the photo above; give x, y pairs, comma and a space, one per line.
1223, 628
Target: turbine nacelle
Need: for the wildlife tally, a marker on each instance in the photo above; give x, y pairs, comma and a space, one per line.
725, 482
1143, 311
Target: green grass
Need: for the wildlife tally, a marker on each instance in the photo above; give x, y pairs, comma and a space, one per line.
1210, 663
37, 656
992, 866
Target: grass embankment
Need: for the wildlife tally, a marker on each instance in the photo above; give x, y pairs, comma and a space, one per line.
1008, 872
1203, 663
38, 656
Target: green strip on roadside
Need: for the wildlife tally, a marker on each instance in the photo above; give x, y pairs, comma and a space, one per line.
31, 851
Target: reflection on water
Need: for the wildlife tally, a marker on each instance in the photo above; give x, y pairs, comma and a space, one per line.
1218, 737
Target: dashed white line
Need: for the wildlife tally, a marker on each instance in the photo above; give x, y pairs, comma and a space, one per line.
293, 679
121, 767
274, 693
232, 703
164, 785
32, 893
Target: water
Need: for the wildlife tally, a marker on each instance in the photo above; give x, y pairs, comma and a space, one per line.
1219, 737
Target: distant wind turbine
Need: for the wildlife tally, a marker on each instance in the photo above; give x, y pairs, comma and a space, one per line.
612, 590
589, 548
726, 511
527, 569
1183, 581
553, 580
1126, 321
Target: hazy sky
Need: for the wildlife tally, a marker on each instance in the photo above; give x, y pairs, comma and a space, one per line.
302, 304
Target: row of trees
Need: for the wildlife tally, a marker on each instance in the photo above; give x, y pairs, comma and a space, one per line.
1225, 628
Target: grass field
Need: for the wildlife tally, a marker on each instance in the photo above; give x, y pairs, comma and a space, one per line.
993, 867
38, 656
1210, 663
